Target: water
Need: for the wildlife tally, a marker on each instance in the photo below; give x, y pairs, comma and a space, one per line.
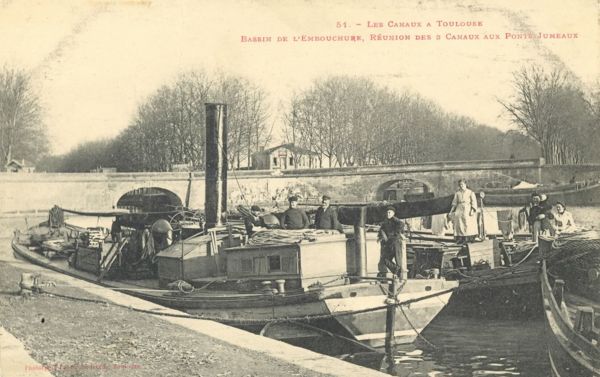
475, 347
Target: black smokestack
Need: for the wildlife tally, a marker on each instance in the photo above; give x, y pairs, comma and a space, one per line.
215, 202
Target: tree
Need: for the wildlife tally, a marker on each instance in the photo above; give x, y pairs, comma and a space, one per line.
246, 118
170, 127
592, 135
22, 133
350, 121
88, 156
332, 118
552, 110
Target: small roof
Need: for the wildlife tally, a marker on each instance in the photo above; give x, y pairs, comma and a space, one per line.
291, 147
20, 163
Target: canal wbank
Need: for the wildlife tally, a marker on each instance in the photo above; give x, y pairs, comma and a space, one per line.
83, 338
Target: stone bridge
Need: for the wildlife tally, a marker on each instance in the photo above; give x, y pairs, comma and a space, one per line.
98, 191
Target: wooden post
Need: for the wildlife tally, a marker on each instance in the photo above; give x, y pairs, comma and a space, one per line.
557, 290
390, 318
481, 216
182, 257
187, 192
229, 235
360, 243
584, 321
403, 260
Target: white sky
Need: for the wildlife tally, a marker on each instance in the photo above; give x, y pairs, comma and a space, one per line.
93, 62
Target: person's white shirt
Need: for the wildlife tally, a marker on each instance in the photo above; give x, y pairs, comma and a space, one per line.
563, 222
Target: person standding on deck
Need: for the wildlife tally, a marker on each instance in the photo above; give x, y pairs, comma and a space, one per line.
539, 216
326, 216
116, 231
547, 222
293, 217
532, 217
563, 219
523, 217
464, 213
56, 217
252, 219
390, 236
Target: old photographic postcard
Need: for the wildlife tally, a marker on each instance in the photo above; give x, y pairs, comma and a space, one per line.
105, 110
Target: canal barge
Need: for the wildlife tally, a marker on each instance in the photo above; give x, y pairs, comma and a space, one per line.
585, 193
571, 305
315, 279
